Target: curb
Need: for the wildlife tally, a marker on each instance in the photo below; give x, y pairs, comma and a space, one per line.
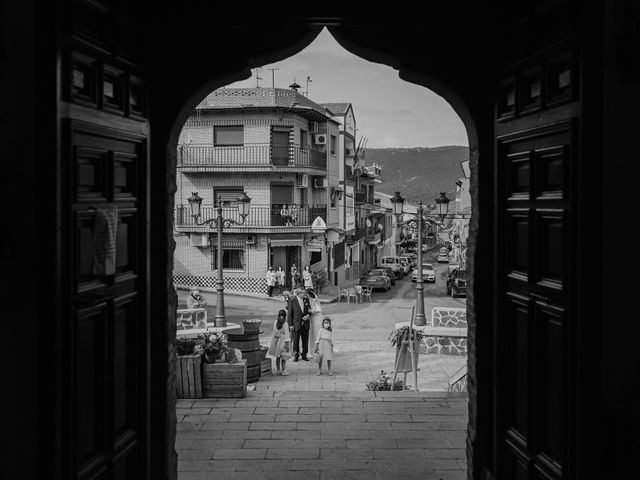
240, 293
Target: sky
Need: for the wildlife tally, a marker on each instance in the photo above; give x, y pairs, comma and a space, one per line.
390, 112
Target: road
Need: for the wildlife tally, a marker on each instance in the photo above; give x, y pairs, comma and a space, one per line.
364, 326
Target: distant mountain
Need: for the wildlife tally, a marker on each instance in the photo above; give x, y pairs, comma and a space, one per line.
419, 173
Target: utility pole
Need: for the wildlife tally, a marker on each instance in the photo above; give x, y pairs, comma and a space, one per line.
273, 76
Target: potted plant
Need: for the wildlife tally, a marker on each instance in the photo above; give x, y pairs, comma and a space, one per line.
224, 372
188, 369
399, 338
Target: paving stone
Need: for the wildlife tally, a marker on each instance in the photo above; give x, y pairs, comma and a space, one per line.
220, 443
239, 453
191, 435
245, 434
280, 443
297, 418
206, 465
297, 434
251, 418
297, 452
226, 426
346, 453
372, 443
272, 426
347, 434
344, 418
388, 418
321, 443
193, 411
195, 454
264, 465
205, 418
239, 410
276, 410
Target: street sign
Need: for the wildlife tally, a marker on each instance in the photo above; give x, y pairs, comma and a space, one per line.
318, 225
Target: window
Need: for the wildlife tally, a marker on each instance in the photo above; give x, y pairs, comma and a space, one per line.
304, 139
333, 145
232, 135
231, 259
315, 258
228, 195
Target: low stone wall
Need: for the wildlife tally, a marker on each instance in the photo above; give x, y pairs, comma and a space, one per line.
446, 345
449, 317
442, 340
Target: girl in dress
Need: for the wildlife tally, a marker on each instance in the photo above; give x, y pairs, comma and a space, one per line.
307, 278
324, 346
280, 343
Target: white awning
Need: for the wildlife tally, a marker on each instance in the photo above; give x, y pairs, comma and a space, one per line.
287, 242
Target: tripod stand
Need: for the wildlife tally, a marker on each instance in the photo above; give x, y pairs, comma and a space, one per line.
407, 348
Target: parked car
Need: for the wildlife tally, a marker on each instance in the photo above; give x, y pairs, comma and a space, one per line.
390, 273
393, 262
406, 265
412, 258
457, 282
376, 278
428, 273
443, 257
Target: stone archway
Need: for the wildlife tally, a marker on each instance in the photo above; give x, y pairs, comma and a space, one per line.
406, 73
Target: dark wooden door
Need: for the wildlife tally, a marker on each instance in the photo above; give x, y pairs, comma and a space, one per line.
103, 421
537, 161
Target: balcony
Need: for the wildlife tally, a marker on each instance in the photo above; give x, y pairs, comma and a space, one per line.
358, 235
262, 218
250, 157
361, 197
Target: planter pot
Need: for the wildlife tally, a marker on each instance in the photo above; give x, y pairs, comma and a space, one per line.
221, 380
189, 376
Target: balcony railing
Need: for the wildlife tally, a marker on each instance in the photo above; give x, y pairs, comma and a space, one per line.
251, 156
359, 234
361, 197
259, 215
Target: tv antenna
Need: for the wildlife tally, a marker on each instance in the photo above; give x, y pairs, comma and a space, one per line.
258, 78
273, 76
308, 81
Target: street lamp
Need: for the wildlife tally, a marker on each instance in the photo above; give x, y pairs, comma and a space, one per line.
443, 205
397, 202
195, 203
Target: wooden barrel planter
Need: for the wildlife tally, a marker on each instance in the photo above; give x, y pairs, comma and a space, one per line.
221, 380
249, 344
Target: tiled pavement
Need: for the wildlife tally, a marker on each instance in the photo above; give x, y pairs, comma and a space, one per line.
315, 428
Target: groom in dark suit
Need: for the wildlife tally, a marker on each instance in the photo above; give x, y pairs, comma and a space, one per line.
298, 314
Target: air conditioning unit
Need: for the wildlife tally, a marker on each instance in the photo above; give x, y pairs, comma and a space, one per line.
320, 183
303, 180
313, 127
199, 239
251, 240
320, 139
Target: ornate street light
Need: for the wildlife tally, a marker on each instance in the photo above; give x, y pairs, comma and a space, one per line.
397, 202
195, 202
443, 205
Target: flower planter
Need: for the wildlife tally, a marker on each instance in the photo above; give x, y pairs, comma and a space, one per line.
188, 376
221, 380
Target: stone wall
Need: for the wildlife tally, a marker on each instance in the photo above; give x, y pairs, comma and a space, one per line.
450, 317
445, 345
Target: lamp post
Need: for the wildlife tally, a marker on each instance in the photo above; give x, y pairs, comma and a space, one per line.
397, 202
243, 210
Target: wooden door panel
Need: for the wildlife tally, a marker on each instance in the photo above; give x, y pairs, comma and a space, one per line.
535, 169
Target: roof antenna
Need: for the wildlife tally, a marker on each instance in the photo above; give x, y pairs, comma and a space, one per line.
273, 76
258, 77
294, 86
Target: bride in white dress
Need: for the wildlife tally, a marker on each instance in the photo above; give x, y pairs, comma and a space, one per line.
315, 323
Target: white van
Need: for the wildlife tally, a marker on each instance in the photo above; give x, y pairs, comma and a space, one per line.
394, 263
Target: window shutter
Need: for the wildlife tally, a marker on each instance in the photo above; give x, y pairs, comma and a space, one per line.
228, 195
228, 135
281, 194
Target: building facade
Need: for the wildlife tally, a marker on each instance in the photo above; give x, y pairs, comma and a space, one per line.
280, 148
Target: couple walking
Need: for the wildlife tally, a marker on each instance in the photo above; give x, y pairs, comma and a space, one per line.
306, 326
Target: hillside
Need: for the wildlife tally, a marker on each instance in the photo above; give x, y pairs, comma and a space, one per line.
419, 173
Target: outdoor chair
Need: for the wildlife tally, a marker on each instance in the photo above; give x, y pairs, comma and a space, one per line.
352, 292
343, 293
366, 292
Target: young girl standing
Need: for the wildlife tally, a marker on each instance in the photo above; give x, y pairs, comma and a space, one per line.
324, 345
279, 347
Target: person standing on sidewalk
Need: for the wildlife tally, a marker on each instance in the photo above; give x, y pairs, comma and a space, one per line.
324, 346
271, 281
280, 279
280, 343
307, 279
298, 314
315, 322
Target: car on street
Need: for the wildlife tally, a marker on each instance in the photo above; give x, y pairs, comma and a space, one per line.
443, 257
406, 265
457, 282
376, 278
412, 258
428, 273
390, 273
393, 261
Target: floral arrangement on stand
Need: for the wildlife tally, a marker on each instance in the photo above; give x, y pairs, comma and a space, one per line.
383, 383
398, 334
213, 347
